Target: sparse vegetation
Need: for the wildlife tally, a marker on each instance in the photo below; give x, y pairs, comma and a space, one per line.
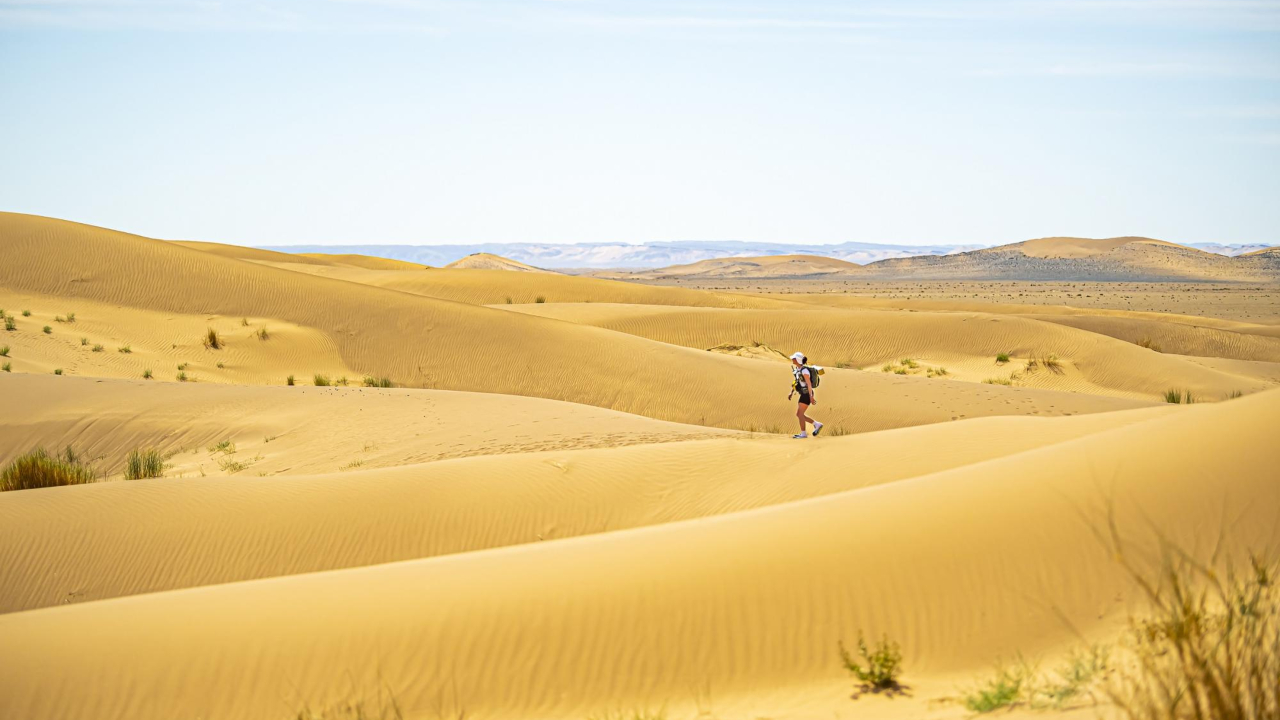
508, 299
244, 322
10, 324
1002, 358
878, 668
998, 381
220, 365
937, 372
909, 363
124, 349
7, 367
341, 381
1177, 397
1003, 689
321, 380
1235, 394
98, 348
371, 381
263, 334
84, 341
1052, 362
225, 447
59, 318
4, 351
71, 317
1149, 344
57, 371
146, 374
26, 313
182, 376
540, 299
352, 465
48, 330
212, 340
887, 367
144, 463
39, 469
900, 371
846, 364
182, 366
288, 380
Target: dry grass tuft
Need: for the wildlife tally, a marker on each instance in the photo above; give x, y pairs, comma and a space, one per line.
212, 340
39, 469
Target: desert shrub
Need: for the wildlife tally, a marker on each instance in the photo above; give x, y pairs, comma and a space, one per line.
878, 667
508, 299
38, 469
220, 365
1052, 362
887, 367
937, 372
225, 447
540, 299
7, 367
71, 317
212, 340
84, 341
341, 381
10, 324
1149, 344
1003, 689
4, 351
998, 381
845, 364
1002, 358
321, 380
910, 363
48, 330
26, 313
1235, 394
900, 371
124, 349
146, 373
1032, 365
59, 318
1173, 396
1209, 645
182, 366
98, 348
57, 371
288, 380
182, 376
244, 322
263, 334
371, 381
1074, 681
147, 463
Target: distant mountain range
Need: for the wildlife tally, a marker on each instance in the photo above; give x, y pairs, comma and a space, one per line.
1230, 250
565, 256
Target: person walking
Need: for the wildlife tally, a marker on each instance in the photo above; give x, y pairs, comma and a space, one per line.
803, 383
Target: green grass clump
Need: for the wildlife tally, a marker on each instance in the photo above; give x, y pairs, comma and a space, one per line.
341, 381
182, 376
26, 313
98, 348
909, 363
1234, 394
1002, 690
10, 324
4, 351
146, 374
320, 380
59, 318
39, 469
937, 372
540, 299
84, 341
1176, 397
887, 367
212, 339
57, 371
124, 349
140, 464
221, 366
288, 380
900, 371
263, 334
508, 299
71, 317
998, 381
48, 330
1052, 362
7, 367
244, 322
182, 366
371, 381
1002, 358
226, 447
878, 668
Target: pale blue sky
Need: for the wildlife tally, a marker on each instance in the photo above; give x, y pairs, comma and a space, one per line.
425, 121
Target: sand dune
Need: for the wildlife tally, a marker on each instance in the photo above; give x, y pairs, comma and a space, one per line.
489, 261
966, 344
771, 266
739, 610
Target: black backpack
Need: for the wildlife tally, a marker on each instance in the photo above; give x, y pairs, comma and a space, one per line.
813, 378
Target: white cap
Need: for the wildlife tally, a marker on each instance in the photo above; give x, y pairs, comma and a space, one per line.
797, 356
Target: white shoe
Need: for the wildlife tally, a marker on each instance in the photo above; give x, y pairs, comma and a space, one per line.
801, 436
817, 428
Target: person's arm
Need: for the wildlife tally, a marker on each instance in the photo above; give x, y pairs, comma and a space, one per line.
808, 381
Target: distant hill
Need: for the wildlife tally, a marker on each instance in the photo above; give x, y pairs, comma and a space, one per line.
1084, 259
1053, 258
1232, 249
488, 261
775, 266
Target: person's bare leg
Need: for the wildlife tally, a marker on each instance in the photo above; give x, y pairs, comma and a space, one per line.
801, 416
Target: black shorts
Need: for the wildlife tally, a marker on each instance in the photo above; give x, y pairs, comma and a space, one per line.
804, 399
